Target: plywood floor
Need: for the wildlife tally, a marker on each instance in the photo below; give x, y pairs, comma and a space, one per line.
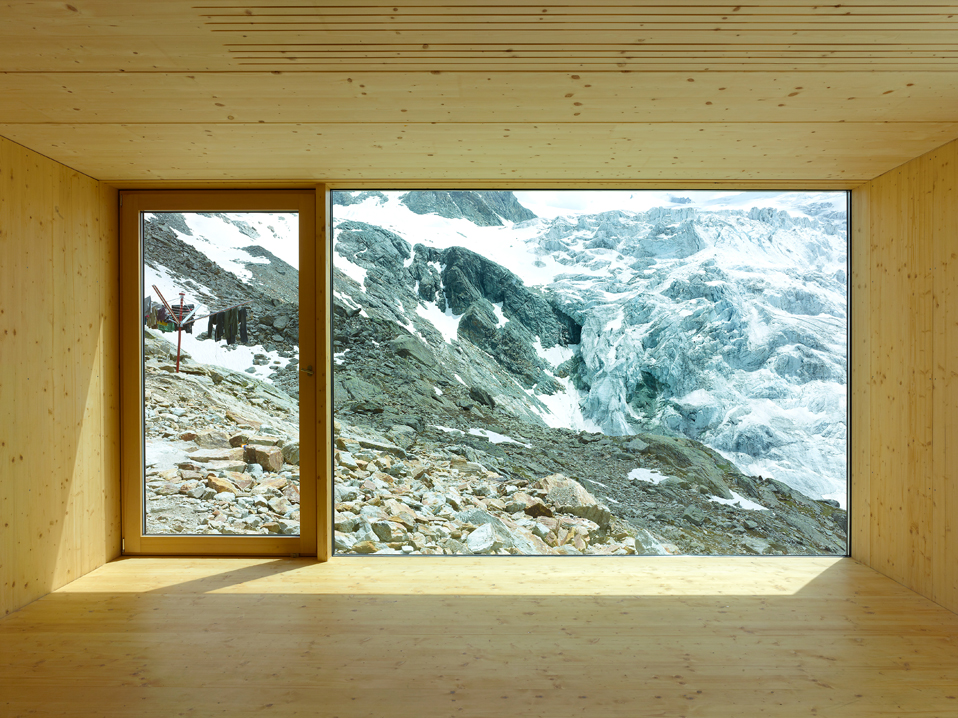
481, 637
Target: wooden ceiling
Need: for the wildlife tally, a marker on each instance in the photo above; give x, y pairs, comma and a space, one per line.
483, 91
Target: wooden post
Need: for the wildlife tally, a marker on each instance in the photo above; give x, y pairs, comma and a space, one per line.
179, 332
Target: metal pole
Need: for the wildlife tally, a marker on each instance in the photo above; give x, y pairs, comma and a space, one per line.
179, 333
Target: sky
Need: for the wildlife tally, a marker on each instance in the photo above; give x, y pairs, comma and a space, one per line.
553, 203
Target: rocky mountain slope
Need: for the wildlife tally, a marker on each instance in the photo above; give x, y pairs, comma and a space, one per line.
726, 325
441, 339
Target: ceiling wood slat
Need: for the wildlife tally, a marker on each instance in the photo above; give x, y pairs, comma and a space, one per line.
619, 90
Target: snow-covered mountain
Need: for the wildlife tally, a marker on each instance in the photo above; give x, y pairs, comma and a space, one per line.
220, 260
722, 318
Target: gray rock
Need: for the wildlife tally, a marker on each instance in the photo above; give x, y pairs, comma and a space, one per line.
383, 446
279, 504
407, 346
291, 453
346, 460
212, 439
343, 492
342, 541
484, 540
694, 515
388, 531
402, 435
347, 523
482, 396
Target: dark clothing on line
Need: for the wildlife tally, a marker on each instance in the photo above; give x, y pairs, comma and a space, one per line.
220, 324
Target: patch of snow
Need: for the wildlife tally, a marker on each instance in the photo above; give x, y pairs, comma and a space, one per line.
555, 355
446, 323
563, 409
653, 477
738, 501
500, 317
496, 438
351, 270
238, 357
224, 243
447, 429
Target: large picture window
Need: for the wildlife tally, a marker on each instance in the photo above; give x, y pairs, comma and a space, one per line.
590, 372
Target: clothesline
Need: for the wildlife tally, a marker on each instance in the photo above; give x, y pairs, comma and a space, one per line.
190, 317
227, 321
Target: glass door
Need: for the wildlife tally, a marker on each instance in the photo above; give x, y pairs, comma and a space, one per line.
219, 315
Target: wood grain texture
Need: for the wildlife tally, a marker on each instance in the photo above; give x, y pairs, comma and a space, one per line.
59, 509
904, 401
473, 637
544, 151
428, 90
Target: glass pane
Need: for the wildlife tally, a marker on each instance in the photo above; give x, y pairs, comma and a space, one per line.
221, 399
599, 372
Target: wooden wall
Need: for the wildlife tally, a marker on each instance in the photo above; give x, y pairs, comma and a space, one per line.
905, 375
59, 434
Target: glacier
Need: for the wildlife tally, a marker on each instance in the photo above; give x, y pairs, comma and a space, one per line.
719, 317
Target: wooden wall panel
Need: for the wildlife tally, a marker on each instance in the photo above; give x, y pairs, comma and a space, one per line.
59, 484
905, 397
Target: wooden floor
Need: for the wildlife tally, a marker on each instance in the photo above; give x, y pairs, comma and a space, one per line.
481, 637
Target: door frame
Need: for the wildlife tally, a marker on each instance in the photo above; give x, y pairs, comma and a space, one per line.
315, 418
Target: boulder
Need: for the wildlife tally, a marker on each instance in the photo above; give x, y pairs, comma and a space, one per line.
264, 440
389, 531
232, 465
269, 457
484, 539
482, 396
237, 440
382, 446
402, 435
212, 439
408, 346
276, 482
279, 505
694, 515
208, 455
562, 491
220, 485
241, 480
569, 496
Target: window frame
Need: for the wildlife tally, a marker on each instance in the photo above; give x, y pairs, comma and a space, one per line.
315, 417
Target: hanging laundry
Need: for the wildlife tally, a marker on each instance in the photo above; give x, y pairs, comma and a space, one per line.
232, 325
220, 325
181, 313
